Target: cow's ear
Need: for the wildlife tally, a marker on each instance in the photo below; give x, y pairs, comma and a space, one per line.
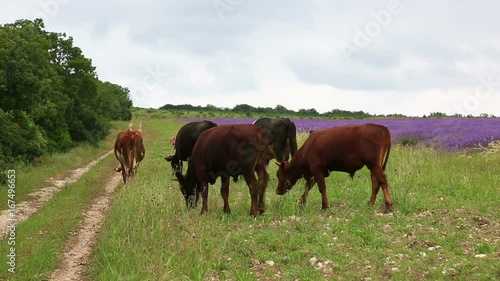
169, 158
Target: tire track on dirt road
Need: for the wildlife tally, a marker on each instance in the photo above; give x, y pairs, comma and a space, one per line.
77, 251
25, 209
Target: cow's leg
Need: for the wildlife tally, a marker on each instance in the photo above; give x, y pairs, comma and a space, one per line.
375, 188
224, 192
124, 173
320, 179
135, 165
121, 168
379, 179
253, 186
263, 180
307, 187
204, 197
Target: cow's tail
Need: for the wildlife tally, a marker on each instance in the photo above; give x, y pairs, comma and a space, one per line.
388, 149
386, 157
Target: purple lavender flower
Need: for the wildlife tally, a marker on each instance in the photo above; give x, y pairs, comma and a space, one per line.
446, 133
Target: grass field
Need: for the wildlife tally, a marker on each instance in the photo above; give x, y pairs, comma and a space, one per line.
445, 225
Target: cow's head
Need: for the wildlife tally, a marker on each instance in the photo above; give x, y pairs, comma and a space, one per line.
176, 164
284, 153
188, 189
284, 181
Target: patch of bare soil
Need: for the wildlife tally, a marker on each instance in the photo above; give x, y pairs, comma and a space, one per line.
25, 209
77, 252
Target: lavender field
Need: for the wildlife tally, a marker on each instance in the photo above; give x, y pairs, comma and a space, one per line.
450, 134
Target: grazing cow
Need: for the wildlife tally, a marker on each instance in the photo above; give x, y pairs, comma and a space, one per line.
185, 141
129, 150
227, 151
345, 149
282, 136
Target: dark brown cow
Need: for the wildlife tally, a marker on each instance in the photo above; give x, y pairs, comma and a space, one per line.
129, 150
345, 149
227, 151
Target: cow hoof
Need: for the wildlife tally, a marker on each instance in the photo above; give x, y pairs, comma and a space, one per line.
227, 211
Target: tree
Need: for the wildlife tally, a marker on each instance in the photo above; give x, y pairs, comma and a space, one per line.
244, 108
50, 96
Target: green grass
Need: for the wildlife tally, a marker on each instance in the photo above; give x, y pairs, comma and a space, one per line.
32, 177
446, 213
41, 238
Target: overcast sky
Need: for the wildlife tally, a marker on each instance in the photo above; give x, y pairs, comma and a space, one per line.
391, 56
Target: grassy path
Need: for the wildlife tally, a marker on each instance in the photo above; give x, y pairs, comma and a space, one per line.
34, 245
40, 240
75, 256
23, 210
30, 178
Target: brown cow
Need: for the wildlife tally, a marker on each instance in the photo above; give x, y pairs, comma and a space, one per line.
227, 151
345, 149
129, 150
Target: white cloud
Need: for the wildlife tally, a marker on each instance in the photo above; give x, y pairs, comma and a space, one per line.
287, 52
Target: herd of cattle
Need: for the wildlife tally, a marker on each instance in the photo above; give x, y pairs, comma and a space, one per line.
231, 151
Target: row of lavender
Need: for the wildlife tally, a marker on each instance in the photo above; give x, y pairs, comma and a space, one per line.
444, 133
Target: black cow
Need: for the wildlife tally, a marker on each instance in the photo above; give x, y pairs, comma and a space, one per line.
185, 141
282, 136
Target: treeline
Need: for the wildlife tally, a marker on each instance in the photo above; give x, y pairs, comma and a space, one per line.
458, 115
50, 96
278, 110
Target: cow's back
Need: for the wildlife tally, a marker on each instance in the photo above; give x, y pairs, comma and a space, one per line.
282, 135
122, 146
345, 148
138, 146
187, 136
228, 148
